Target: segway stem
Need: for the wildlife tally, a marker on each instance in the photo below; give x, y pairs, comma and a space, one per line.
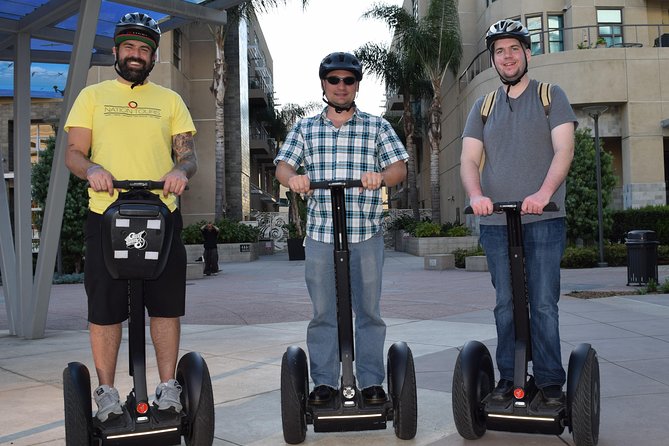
137, 346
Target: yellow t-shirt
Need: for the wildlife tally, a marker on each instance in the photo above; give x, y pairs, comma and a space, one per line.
132, 132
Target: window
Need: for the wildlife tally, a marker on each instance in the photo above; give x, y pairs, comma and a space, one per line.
39, 133
535, 27
555, 33
414, 7
176, 48
609, 26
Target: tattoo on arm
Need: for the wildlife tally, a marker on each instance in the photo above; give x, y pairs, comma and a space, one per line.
184, 152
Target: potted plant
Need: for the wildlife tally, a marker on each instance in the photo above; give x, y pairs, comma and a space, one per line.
601, 42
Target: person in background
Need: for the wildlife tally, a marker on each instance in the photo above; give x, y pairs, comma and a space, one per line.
210, 235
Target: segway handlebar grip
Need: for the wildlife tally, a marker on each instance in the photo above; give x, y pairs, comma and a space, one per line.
138, 184
502, 206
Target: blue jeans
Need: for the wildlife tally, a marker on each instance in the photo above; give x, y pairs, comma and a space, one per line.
544, 244
366, 266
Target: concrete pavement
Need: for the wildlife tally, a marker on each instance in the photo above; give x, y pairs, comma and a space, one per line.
243, 319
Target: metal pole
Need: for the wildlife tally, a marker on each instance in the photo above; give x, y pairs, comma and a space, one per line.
600, 212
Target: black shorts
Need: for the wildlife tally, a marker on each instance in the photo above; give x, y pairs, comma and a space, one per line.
108, 298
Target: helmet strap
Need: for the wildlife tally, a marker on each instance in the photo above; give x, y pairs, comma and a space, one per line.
513, 82
336, 107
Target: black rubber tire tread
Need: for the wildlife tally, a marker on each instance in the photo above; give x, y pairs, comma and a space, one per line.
405, 416
201, 427
293, 410
468, 419
78, 423
585, 409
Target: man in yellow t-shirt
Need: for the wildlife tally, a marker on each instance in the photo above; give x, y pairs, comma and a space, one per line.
131, 129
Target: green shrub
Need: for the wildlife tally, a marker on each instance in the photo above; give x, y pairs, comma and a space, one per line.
427, 229
615, 254
403, 222
59, 279
229, 232
579, 257
663, 254
654, 218
461, 253
664, 288
457, 231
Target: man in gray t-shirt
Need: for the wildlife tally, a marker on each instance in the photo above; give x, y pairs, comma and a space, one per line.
528, 152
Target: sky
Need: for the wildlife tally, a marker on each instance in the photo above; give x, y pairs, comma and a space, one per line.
298, 40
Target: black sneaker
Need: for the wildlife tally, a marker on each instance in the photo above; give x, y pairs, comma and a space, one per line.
374, 395
503, 390
552, 395
321, 395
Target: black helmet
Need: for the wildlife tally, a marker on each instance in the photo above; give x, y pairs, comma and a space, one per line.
507, 29
137, 26
340, 61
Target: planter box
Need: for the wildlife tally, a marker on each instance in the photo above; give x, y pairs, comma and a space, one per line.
422, 246
228, 252
400, 237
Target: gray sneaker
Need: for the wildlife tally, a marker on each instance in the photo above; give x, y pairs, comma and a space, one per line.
168, 396
108, 401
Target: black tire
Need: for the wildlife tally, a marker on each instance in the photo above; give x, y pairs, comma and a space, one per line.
405, 405
467, 395
78, 410
585, 409
294, 393
200, 429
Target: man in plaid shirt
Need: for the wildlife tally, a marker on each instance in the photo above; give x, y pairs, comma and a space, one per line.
343, 143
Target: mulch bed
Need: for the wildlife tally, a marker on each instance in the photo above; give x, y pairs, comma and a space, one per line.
599, 294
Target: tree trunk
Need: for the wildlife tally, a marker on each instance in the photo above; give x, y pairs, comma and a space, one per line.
434, 135
409, 127
218, 87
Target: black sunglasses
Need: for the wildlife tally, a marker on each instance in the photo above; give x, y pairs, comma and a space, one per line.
334, 80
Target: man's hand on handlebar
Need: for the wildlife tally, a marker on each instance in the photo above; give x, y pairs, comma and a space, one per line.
175, 182
534, 204
481, 205
100, 179
299, 184
371, 180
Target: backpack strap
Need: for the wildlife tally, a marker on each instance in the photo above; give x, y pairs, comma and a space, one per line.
544, 90
488, 103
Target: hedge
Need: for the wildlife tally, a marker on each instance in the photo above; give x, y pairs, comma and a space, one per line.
654, 218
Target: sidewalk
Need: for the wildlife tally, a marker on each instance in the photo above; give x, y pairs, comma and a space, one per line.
243, 319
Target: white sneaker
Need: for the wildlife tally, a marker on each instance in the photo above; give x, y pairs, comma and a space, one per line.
168, 396
108, 401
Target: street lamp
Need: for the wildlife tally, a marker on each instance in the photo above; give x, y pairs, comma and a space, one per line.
594, 111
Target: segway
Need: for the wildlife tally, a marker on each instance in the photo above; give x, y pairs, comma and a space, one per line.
347, 411
474, 410
137, 234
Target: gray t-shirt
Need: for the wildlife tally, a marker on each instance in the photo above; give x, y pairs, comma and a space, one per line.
518, 147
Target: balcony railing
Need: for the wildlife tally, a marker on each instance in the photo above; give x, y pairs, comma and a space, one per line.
579, 37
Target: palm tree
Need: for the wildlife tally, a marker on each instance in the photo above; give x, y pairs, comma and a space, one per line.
244, 11
403, 75
434, 41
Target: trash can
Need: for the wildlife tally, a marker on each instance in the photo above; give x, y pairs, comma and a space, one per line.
641, 256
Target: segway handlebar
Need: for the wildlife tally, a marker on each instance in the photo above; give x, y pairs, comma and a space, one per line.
333, 183
138, 184
502, 206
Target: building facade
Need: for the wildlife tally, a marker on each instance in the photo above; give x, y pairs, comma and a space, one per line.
613, 53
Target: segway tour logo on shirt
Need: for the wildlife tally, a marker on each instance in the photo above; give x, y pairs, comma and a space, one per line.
132, 110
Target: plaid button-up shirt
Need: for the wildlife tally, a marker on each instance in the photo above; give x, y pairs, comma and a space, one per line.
365, 143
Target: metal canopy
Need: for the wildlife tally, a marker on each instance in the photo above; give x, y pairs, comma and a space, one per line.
77, 33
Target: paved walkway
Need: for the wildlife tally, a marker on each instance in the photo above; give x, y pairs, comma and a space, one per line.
243, 319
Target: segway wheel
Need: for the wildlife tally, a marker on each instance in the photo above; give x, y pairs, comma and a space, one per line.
402, 389
78, 410
294, 393
585, 405
473, 380
197, 398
